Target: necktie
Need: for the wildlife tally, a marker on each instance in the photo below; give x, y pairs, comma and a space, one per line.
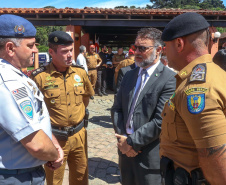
143, 76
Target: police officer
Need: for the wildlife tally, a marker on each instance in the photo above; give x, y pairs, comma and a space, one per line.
93, 61
126, 62
117, 58
25, 132
67, 90
193, 139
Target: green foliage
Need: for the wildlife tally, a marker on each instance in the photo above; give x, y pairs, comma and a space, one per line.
188, 4
42, 48
42, 36
221, 30
117, 7
49, 7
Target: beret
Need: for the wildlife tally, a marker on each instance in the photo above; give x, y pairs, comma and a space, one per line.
183, 25
60, 38
13, 26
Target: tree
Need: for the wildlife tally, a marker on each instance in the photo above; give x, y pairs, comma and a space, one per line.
42, 36
185, 4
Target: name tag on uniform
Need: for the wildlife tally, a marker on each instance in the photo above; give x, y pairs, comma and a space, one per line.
51, 87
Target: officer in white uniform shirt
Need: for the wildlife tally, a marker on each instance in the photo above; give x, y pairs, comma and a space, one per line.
81, 61
26, 139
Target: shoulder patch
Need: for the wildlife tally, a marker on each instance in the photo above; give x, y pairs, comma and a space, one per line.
39, 70
27, 108
198, 73
196, 103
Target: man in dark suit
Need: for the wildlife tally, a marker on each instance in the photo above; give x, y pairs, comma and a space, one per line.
136, 112
121, 74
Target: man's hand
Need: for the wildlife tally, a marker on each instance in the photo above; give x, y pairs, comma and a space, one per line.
131, 153
122, 144
53, 165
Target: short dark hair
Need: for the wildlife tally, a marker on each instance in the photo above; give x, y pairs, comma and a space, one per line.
53, 47
152, 34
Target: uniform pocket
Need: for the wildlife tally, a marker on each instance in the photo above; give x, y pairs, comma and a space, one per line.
53, 97
168, 115
79, 91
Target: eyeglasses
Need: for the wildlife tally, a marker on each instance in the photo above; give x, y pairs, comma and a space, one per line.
142, 48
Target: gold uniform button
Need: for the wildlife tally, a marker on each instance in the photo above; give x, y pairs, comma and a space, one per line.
69, 116
69, 104
52, 94
68, 93
80, 91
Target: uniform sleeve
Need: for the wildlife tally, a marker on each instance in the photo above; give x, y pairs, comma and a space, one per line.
18, 115
99, 60
87, 86
204, 115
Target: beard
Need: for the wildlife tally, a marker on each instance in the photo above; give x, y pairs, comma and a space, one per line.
147, 61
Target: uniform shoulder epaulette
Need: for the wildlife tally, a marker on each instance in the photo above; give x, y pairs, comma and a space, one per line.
39, 70
198, 73
75, 65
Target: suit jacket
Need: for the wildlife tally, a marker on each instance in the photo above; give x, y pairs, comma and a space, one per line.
147, 118
121, 74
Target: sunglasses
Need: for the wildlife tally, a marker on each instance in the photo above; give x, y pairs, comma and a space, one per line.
142, 48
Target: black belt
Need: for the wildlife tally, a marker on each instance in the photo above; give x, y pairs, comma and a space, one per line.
92, 69
71, 130
18, 171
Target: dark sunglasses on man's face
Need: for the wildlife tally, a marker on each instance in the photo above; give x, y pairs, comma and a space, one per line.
142, 48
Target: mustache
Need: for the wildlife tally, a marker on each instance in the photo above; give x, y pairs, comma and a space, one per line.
139, 56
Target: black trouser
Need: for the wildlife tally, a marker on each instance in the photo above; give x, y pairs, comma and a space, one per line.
101, 80
110, 77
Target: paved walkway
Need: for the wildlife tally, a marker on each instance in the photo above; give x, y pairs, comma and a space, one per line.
102, 150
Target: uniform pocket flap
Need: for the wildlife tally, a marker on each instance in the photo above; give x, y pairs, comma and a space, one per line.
79, 90
52, 93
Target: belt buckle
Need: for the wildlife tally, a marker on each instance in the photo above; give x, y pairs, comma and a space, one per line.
71, 131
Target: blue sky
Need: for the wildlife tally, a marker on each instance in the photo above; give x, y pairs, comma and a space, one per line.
73, 3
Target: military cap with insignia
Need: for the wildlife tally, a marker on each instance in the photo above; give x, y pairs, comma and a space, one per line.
13, 26
183, 25
60, 38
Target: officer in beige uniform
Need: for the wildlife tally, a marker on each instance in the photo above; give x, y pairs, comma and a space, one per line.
67, 90
126, 62
117, 58
193, 137
93, 61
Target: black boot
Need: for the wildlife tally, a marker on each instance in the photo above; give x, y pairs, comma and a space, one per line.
104, 93
100, 94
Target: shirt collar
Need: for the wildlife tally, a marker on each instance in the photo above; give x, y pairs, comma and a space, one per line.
4, 62
150, 69
53, 70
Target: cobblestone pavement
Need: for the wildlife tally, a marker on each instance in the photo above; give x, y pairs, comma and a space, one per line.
102, 150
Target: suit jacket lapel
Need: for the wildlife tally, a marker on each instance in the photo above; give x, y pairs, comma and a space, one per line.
155, 75
133, 84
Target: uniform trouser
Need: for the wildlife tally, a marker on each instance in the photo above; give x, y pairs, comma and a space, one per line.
93, 77
101, 80
132, 173
75, 154
36, 177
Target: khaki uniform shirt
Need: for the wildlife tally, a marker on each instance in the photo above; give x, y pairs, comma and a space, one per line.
64, 95
194, 117
117, 58
92, 60
122, 64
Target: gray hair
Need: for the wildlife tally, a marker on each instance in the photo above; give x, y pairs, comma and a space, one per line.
16, 41
152, 34
82, 49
